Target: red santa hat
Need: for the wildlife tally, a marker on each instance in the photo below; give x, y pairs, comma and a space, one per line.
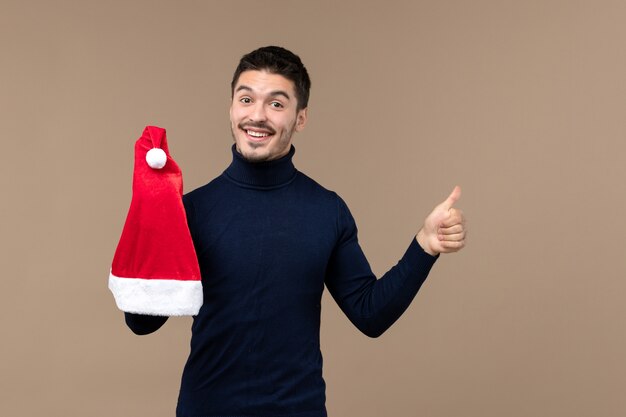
155, 269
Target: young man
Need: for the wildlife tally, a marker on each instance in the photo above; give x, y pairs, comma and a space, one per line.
268, 238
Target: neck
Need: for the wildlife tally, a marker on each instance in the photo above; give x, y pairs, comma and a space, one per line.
265, 174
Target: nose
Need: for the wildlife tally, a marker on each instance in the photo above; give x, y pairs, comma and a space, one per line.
257, 113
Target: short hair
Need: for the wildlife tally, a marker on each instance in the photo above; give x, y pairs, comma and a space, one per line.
277, 60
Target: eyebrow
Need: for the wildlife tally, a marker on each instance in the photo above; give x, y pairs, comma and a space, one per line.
272, 93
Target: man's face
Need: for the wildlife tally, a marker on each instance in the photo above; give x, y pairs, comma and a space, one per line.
263, 115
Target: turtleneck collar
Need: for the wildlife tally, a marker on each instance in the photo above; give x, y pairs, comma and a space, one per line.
267, 174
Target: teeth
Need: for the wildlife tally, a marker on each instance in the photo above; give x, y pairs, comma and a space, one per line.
257, 134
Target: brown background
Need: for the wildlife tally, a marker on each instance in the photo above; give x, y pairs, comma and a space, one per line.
522, 103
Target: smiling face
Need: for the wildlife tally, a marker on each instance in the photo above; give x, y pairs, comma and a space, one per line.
264, 115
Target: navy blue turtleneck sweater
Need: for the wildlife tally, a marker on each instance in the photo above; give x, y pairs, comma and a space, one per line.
268, 238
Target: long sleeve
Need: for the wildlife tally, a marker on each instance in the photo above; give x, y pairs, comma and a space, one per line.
371, 304
143, 324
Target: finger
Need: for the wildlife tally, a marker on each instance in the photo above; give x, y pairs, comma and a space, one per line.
455, 217
452, 198
454, 229
452, 246
452, 238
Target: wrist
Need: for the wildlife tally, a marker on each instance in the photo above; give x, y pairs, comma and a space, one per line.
422, 240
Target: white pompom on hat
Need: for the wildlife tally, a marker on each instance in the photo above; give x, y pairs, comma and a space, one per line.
156, 158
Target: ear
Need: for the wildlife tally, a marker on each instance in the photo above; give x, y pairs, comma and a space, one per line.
301, 119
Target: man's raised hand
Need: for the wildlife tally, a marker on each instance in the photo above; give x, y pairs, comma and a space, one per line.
444, 229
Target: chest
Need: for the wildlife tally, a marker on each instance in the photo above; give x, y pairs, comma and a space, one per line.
278, 235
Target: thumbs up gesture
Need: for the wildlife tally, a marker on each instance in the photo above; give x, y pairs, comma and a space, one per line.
444, 228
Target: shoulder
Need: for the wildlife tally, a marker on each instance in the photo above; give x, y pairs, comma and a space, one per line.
317, 192
328, 201
205, 191
308, 183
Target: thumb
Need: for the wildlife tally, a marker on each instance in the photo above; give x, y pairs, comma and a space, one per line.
452, 198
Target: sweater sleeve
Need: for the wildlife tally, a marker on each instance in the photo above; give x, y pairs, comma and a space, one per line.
142, 324
371, 304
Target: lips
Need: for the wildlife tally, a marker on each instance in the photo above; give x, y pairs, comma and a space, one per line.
257, 133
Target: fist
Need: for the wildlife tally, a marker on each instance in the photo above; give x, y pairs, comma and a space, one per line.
444, 229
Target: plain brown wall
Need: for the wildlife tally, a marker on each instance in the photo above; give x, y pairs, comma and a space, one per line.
522, 103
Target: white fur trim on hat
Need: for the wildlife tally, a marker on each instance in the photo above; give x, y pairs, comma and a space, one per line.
157, 297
